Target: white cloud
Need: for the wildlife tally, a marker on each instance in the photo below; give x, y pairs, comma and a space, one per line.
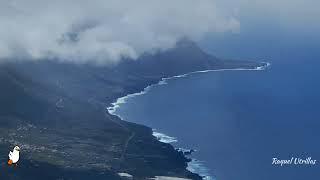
104, 30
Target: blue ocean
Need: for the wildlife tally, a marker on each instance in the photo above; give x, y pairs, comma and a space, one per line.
239, 121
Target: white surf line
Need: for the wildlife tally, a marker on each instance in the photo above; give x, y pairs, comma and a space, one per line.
194, 166
163, 137
115, 105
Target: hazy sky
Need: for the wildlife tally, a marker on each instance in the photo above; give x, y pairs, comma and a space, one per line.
106, 30
280, 31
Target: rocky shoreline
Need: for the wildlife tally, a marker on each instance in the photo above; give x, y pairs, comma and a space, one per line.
56, 112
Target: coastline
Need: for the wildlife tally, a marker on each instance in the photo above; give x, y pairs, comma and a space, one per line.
194, 165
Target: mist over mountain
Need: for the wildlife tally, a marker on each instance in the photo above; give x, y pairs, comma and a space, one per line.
102, 32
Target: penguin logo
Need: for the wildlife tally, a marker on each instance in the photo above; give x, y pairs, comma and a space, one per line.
14, 156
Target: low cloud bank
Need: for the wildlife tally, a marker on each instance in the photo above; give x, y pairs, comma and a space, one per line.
104, 31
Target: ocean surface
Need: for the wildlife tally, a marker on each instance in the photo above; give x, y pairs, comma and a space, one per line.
238, 121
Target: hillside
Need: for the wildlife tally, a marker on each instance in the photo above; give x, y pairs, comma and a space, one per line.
56, 113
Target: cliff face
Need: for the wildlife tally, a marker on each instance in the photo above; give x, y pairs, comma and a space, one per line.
57, 113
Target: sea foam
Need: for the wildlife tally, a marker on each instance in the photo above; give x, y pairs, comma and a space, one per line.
164, 138
115, 105
198, 167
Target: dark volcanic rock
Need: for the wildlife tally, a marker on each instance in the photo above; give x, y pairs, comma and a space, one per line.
57, 113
